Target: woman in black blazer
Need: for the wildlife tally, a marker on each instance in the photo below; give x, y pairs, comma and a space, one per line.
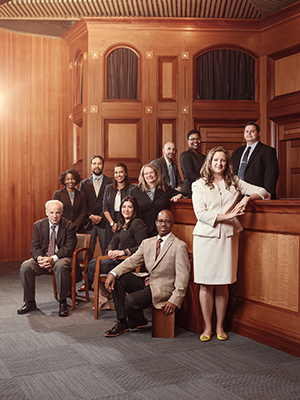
129, 234
113, 195
152, 195
74, 201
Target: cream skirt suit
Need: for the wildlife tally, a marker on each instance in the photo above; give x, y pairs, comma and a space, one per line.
215, 244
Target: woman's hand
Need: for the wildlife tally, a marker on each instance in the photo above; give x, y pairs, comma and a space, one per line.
177, 197
237, 211
114, 254
241, 205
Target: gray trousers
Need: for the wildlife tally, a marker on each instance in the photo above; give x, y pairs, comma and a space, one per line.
61, 269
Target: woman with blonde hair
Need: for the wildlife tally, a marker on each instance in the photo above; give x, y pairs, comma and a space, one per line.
215, 201
152, 195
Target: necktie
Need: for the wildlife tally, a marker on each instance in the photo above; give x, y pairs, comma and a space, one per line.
243, 165
51, 246
158, 247
97, 186
171, 175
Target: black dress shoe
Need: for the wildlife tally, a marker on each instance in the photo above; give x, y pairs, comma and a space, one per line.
63, 309
27, 307
118, 329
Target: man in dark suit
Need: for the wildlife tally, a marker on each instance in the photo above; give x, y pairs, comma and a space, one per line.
164, 285
255, 162
191, 161
53, 243
168, 168
93, 188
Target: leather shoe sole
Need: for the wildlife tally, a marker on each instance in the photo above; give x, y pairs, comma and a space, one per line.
27, 307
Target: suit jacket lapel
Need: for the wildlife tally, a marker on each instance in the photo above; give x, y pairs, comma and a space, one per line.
254, 154
46, 230
164, 250
103, 186
91, 186
60, 232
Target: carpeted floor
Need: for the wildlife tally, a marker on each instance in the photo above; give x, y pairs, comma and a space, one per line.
47, 357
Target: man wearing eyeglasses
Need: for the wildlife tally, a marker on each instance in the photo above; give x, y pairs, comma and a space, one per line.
163, 285
191, 161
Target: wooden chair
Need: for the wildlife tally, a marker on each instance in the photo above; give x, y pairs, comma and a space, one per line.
81, 253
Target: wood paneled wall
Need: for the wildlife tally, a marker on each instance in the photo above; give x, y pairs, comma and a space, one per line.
33, 134
41, 133
166, 105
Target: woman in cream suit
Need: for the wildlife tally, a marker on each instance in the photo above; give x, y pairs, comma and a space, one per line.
216, 233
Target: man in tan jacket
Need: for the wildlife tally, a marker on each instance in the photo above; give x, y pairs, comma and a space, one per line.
164, 285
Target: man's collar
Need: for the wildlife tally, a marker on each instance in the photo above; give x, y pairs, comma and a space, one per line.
98, 176
167, 161
164, 238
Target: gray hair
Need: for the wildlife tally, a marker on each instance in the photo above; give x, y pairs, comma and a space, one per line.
54, 202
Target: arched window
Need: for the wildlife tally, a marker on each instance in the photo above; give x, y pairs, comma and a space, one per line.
122, 74
78, 79
225, 74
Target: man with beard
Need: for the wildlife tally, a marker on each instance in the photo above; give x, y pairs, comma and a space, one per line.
93, 188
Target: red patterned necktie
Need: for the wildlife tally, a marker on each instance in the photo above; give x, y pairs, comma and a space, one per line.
51, 246
158, 247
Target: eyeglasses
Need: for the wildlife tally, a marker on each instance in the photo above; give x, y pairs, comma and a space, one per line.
164, 221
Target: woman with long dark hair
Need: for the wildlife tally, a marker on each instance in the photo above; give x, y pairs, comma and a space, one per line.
129, 234
113, 195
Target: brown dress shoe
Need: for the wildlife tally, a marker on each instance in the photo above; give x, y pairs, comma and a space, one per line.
82, 288
27, 307
63, 309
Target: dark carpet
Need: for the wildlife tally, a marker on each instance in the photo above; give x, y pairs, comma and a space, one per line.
47, 357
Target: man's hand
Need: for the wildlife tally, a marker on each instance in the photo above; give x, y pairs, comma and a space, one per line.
45, 262
110, 283
96, 219
168, 307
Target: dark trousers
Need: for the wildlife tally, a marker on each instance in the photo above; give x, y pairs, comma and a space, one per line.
96, 231
130, 306
30, 269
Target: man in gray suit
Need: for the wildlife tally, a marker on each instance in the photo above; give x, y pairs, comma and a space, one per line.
163, 285
53, 242
167, 167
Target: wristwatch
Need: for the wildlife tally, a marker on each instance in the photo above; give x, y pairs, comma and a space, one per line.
112, 223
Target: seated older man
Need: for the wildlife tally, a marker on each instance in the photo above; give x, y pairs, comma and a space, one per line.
53, 242
164, 284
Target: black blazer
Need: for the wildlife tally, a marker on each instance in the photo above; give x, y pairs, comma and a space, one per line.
190, 165
161, 164
94, 203
76, 212
66, 238
131, 238
109, 198
148, 208
262, 167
